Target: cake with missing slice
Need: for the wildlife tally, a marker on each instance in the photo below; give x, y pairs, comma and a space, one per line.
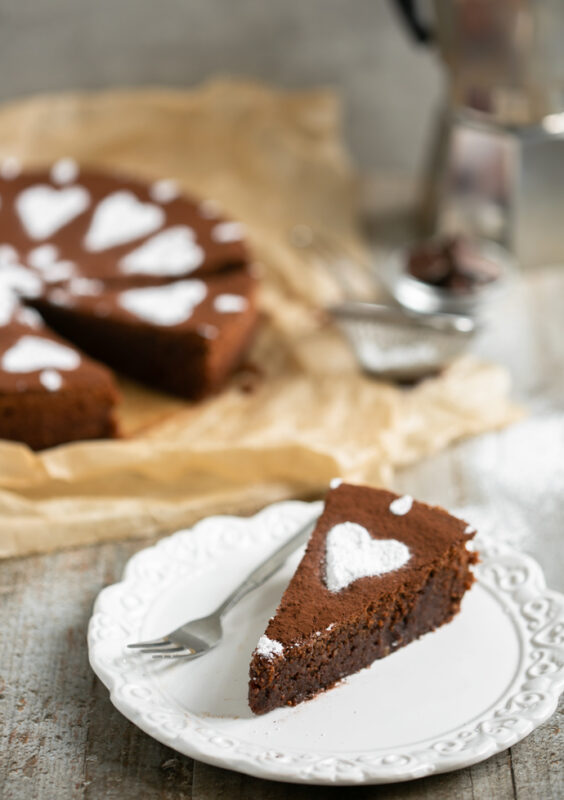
149, 281
379, 571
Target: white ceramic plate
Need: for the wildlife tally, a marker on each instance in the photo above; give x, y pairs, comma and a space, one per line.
448, 700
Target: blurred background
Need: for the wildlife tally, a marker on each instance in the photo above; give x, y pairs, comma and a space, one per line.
468, 131
391, 86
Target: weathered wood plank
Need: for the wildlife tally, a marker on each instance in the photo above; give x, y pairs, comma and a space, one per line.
538, 767
211, 783
45, 608
493, 778
121, 762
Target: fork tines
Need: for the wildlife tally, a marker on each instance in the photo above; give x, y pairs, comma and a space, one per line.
162, 648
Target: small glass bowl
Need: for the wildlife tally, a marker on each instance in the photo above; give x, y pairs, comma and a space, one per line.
424, 298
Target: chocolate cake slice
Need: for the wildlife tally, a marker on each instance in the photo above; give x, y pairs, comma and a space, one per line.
379, 571
50, 393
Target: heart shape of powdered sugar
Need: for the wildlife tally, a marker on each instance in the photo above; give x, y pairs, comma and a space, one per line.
351, 553
31, 353
164, 305
119, 218
43, 210
173, 251
45, 259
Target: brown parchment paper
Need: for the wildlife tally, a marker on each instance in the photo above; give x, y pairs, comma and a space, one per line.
304, 414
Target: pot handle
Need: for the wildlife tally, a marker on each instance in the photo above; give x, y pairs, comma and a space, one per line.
419, 29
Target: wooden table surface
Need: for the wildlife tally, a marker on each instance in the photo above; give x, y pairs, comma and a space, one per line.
61, 738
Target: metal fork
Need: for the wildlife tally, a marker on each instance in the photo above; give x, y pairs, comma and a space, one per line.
198, 636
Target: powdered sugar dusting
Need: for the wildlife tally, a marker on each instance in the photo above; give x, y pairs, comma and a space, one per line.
225, 232
45, 258
10, 168
173, 251
269, 648
208, 331
31, 353
516, 477
164, 305
164, 191
42, 256
8, 254
351, 553
209, 209
8, 305
19, 280
29, 317
401, 505
43, 210
51, 379
119, 218
60, 297
230, 303
86, 287
65, 170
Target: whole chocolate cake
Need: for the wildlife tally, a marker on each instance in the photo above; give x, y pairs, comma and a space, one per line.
154, 284
379, 571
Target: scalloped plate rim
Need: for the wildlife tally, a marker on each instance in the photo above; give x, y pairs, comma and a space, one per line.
208, 752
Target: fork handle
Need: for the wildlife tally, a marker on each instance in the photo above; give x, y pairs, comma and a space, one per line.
268, 567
